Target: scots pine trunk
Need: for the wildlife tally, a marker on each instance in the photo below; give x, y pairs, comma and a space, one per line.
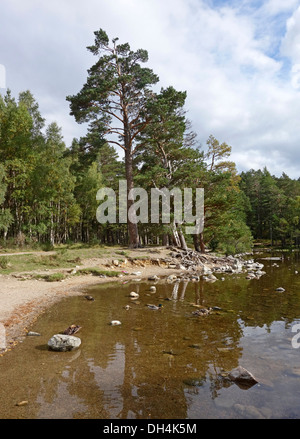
132, 227
199, 243
115, 100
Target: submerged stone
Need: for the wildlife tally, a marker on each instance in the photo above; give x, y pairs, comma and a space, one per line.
193, 382
242, 377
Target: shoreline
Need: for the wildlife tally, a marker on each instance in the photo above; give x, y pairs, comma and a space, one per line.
23, 300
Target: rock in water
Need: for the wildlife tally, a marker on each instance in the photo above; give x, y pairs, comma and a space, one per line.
242, 377
62, 342
21, 403
154, 277
134, 294
115, 323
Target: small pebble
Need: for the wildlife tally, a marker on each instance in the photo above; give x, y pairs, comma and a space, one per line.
21, 403
133, 294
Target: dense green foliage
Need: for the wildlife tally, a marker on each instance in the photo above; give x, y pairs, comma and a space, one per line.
273, 206
48, 190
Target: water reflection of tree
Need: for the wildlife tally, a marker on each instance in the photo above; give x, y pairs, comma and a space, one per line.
154, 364
258, 301
165, 387
153, 384
147, 387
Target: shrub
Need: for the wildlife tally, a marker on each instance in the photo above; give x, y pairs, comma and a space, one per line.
4, 262
54, 277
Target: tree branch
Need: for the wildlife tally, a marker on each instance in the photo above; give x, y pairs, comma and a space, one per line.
116, 143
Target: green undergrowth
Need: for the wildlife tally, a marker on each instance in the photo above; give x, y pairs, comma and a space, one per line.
59, 276
53, 277
97, 272
61, 257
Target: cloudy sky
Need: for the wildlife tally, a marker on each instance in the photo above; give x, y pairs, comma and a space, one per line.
238, 60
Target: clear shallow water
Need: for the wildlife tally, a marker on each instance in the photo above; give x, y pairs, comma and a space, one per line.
165, 364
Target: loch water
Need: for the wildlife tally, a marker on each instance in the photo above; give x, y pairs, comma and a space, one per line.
167, 363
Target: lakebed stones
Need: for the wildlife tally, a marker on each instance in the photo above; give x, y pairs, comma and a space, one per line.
252, 412
63, 342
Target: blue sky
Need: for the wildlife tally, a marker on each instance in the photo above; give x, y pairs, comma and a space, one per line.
238, 61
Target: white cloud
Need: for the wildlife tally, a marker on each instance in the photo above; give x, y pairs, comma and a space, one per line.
274, 7
291, 46
240, 87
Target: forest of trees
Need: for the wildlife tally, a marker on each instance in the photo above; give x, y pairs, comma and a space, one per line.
48, 189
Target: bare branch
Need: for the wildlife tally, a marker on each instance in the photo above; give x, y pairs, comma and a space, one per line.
114, 115
116, 143
115, 131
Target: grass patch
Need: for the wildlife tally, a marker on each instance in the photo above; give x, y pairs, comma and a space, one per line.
97, 272
53, 277
140, 258
65, 256
4, 262
122, 252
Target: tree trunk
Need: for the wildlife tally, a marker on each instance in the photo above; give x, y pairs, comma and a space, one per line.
165, 239
182, 239
196, 241
202, 245
175, 236
132, 227
199, 243
51, 225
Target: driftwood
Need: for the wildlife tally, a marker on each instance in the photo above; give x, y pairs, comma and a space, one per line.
193, 261
188, 258
72, 330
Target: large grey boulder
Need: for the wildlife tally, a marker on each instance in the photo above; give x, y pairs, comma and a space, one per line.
62, 342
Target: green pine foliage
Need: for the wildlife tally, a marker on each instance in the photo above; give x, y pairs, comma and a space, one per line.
48, 189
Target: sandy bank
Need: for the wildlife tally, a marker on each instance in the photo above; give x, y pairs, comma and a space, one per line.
22, 299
